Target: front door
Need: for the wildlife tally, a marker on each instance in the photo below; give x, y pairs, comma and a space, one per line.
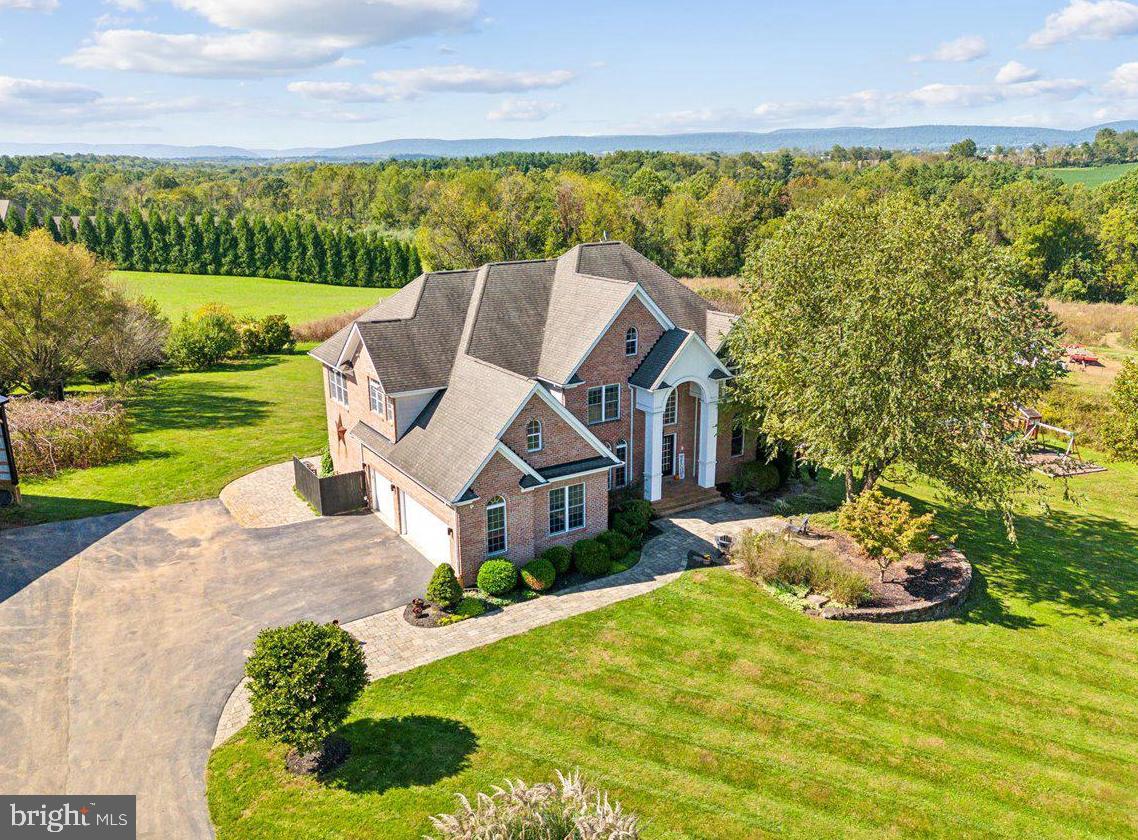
668, 454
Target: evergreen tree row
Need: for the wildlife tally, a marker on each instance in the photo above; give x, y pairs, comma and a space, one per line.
287, 248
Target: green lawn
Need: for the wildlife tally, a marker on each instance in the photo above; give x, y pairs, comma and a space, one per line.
194, 433
178, 294
1091, 176
714, 711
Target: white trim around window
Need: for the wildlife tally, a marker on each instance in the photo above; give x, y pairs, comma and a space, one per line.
337, 386
497, 534
377, 398
533, 435
566, 509
602, 404
670, 408
631, 342
618, 475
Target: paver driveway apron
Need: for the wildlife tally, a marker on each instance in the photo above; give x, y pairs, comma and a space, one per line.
122, 636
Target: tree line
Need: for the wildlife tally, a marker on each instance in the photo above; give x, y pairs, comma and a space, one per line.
693, 214
286, 248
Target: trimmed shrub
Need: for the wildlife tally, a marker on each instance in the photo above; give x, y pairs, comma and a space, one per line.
538, 574
546, 811
70, 434
497, 577
302, 680
638, 509
758, 478
617, 544
560, 557
591, 558
204, 339
262, 336
444, 588
631, 526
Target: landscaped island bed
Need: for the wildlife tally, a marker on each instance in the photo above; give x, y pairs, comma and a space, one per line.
712, 710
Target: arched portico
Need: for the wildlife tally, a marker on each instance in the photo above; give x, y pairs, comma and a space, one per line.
705, 393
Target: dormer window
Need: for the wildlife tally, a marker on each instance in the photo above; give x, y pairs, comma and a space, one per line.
533, 436
631, 342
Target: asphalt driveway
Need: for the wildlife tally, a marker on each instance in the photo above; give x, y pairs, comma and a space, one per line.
122, 636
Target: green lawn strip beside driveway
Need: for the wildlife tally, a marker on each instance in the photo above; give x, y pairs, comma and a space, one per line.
712, 710
193, 434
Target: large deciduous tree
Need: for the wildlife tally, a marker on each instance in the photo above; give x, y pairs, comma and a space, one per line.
55, 302
882, 332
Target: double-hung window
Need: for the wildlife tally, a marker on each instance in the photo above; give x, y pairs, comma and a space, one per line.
603, 403
670, 408
496, 526
337, 386
566, 508
377, 398
736, 439
533, 436
618, 475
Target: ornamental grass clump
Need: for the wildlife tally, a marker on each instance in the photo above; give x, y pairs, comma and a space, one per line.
567, 808
777, 561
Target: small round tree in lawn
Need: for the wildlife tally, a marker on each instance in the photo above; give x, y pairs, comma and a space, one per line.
303, 679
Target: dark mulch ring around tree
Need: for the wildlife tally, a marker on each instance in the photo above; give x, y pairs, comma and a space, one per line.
334, 752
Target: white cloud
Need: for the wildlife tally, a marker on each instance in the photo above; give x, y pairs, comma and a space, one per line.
267, 37
242, 55
877, 105
398, 85
522, 110
1124, 80
36, 101
1099, 20
30, 5
965, 48
352, 22
1014, 72
127, 5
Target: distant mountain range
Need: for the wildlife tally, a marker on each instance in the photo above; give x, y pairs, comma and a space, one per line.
914, 137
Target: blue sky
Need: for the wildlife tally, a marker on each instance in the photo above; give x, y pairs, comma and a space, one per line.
284, 73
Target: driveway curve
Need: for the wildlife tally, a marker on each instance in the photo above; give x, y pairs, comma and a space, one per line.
122, 636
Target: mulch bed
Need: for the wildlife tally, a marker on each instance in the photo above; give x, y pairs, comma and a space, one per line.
914, 581
335, 752
433, 612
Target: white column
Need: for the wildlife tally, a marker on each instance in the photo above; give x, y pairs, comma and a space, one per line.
653, 456
708, 436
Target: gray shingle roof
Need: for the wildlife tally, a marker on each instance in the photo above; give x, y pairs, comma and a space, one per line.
510, 322
662, 352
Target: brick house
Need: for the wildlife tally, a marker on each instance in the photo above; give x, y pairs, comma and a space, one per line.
493, 410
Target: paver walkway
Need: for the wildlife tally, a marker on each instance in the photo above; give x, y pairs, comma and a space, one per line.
391, 645
266, 499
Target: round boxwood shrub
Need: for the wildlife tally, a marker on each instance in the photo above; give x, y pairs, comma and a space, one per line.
617, 544
560, 557
497, 577
640, 509
444, 588
538, 574
630, 525
591, 558
302, 680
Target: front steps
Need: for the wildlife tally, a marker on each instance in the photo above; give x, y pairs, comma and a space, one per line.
684, 495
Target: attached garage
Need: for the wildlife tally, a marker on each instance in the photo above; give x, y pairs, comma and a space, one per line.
424, 530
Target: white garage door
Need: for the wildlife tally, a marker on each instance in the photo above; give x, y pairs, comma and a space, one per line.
382, 498
425, 531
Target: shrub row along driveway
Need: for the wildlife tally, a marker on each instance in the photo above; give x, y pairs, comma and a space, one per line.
123, 635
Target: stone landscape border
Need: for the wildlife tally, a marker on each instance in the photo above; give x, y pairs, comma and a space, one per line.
948, 605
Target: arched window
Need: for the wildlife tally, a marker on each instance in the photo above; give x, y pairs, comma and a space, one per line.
631, 341
496, 526
618, 475
533, 435
670, 408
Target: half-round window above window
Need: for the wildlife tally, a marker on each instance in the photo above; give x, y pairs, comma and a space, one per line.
533, 435
631, 342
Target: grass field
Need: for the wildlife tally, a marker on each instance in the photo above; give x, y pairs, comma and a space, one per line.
713, 711
193, 434
196, 432
179, 294
1090, 176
